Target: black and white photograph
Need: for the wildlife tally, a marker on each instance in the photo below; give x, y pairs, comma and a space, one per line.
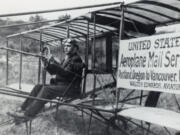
90, 67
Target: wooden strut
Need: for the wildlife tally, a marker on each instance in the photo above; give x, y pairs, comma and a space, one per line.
141, 97
8, 122
39, 62
167, 131
20, 64
11, 90
31, 23
93, 64
58, 10
7, 61
17, 51
28, 127
176, 100
147, 130
121, 30
61, 103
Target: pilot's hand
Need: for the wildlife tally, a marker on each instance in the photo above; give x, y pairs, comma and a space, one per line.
45, 61
51, 60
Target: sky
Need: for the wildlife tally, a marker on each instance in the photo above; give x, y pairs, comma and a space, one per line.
16, 6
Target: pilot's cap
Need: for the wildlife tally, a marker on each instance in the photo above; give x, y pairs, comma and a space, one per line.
70, 41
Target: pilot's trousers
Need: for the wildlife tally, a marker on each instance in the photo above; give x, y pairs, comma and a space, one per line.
32, 106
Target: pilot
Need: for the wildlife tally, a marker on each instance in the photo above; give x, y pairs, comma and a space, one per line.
66, 82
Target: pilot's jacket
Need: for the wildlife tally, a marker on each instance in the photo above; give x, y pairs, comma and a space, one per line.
68, 71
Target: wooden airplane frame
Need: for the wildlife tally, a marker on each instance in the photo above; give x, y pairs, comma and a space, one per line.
119, 110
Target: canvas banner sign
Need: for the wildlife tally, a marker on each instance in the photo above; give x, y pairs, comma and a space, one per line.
150, 63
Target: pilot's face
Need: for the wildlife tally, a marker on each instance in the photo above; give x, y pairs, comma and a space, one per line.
68, 48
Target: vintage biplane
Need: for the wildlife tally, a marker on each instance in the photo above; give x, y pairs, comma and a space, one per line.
145, 63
